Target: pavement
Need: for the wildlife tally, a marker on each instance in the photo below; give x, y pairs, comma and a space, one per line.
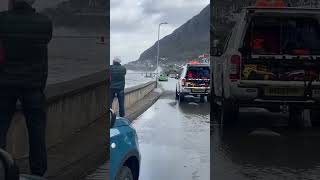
86, 150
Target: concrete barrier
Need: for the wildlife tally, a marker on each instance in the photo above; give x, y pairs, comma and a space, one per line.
134, 94
71, 106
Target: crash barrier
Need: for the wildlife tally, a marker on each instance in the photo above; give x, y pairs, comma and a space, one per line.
71, 105
134, 94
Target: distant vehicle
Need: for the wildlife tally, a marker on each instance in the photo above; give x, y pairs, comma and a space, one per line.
270, 60
163, 77
172, 75
194, 81
124, 150
10, 171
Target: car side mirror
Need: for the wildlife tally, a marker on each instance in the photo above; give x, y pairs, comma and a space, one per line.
8, 168
113, 117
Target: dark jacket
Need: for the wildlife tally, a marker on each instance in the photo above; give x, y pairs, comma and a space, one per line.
24, 35
117, 73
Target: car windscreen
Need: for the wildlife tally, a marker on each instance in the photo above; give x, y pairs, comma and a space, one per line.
198, 72
283, 35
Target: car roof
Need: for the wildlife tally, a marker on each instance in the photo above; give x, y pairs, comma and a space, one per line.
285, 10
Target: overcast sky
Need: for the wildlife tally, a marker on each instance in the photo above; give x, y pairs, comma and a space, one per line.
134, 23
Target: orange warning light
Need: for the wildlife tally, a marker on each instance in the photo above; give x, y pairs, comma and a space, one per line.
194, 62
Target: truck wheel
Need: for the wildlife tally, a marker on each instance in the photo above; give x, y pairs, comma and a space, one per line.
202, 98
295, 117
216, 110
315, 117
181, 98
229, 114
226, 114
177, 95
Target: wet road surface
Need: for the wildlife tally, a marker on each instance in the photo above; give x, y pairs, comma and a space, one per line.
262, 146
174, 139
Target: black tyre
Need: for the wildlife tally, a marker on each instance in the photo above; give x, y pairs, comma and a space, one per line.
315, 117
177, 95
202, 98
181, 98
216, 110
295, 117
228, 114
125, 173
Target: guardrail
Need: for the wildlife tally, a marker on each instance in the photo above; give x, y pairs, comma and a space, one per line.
134, 94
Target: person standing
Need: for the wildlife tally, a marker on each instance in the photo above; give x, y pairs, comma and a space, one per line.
118, 73
24, 36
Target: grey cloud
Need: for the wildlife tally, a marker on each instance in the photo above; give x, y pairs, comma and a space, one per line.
143, 26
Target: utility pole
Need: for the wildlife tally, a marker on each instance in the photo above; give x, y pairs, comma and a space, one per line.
158, 53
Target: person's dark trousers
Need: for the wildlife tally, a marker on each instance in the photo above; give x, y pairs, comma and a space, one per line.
34, 108
120, 95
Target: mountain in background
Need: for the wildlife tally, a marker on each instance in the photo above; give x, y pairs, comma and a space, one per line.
186, 43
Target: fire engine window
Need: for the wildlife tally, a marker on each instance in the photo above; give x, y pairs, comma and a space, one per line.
198, 73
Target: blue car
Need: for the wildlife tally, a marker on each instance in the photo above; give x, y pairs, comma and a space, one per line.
124, 150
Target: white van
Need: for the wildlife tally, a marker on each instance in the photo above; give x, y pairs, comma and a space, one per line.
271, 60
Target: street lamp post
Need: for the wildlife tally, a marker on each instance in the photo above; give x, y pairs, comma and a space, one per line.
158, 53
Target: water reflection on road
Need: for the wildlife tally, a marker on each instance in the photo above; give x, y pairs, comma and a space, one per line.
174, 139
249, 152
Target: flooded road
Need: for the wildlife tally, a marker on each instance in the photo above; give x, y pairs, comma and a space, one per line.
262, 146
174, 139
